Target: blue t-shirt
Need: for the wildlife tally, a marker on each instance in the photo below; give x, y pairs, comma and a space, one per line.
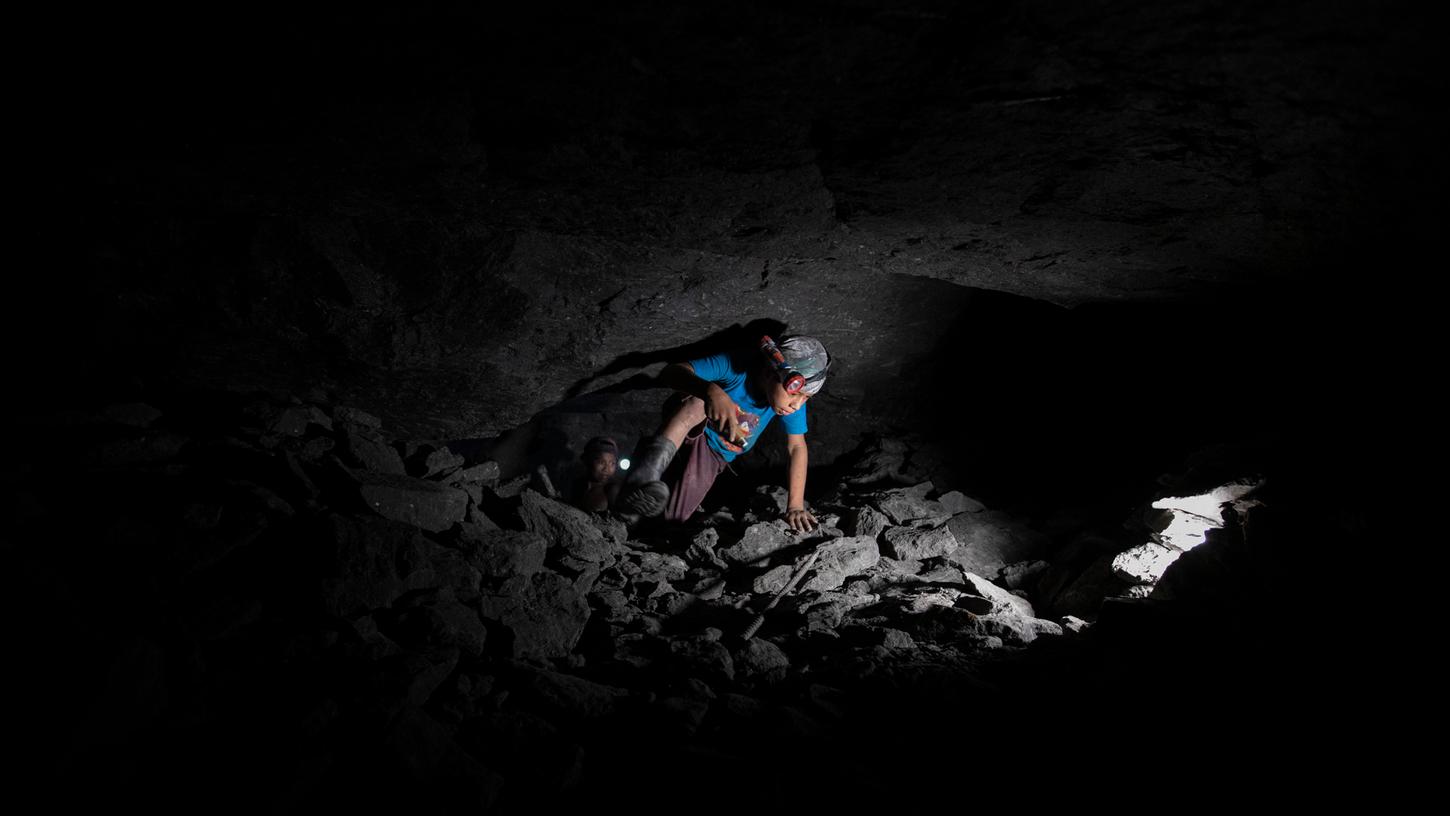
718, 369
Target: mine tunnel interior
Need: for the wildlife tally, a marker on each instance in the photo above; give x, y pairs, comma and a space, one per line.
340, 297
1026, 404
269, 563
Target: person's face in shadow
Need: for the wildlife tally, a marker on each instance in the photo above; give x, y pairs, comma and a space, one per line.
603, 467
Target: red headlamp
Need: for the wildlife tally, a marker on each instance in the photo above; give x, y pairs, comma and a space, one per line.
790, 379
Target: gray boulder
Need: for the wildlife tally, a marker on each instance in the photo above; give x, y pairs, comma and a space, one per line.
1145, 563
865, 521
1021, 574
761, 661
989, 540
917, 543
563, 696
840, 559
958, 502
369, 562
499, 554
905, 505
702, 548
761, 540
566, 528
703, 656
365, 447
419, 502
773, 580
545, 612
443, 623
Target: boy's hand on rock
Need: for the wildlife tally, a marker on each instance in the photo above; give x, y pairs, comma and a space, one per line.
801, 519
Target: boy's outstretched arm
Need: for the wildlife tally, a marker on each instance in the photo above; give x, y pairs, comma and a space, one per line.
796, 514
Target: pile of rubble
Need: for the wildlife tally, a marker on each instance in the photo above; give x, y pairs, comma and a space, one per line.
284, 596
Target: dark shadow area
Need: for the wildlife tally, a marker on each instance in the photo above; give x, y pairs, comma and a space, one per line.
624, 410
738, 339
1038, 408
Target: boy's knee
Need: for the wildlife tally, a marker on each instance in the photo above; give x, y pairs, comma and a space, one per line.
689, 413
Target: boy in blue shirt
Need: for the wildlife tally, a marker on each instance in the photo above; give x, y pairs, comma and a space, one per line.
723, 404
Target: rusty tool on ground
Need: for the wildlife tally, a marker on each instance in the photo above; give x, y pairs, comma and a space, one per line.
794, 579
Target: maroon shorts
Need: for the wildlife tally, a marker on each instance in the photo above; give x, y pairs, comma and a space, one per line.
691, 474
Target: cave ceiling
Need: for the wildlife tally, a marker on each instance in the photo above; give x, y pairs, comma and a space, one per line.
459, 216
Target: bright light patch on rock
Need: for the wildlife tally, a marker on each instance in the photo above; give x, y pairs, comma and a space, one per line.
1194, 516
1145, 563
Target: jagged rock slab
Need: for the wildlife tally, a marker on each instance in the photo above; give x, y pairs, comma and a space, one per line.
956, 501
906, 505
760, 541
702, 548
651, 574
444, 623
761, 661
1084, 594
545, 612
769, 500
1002, 600
294, 421
502, 553
567, 528
883, 458
1012, 617
989, 540
365, 448
1015, 628
917, 543
348, 415
559, 695
1021, 574
421, 503
864, 521
486, 473
1074, 624
1190, 517
667, 566
368, 563
703, 656
829, 609
1145, 563
840, 559
942, 574
772, 580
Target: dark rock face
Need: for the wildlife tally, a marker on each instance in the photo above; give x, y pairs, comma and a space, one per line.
458, 228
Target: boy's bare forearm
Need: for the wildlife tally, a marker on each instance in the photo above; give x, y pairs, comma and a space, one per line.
799, 465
